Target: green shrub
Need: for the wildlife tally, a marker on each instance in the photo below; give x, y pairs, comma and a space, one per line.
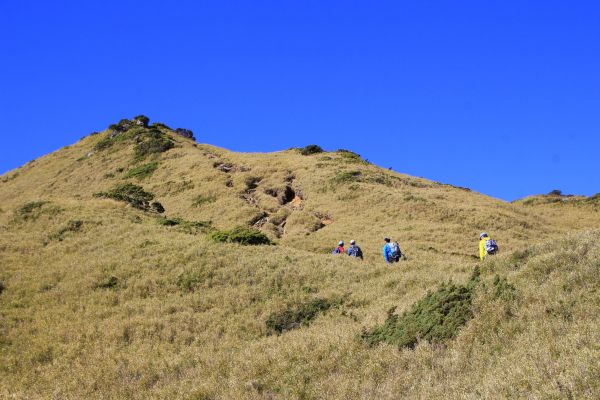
241, 235
141, 120
107, 283
134, 195
2, 287
437, 317
200, 200
152, 142
142, 171
310, 149
297, 315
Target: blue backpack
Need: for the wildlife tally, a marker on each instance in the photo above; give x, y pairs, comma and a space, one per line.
491, 247
354, 251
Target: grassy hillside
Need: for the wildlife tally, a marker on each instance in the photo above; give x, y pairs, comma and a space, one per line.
104, 295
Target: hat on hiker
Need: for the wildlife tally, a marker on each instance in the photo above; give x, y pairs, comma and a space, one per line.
483, 234
341, 243
352, 241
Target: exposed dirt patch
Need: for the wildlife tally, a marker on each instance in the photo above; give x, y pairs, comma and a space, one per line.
296, 201
284, 196
325, 219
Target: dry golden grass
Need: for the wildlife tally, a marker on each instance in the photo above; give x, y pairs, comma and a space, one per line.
123, 307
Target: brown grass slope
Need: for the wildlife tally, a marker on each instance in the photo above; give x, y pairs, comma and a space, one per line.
101, 300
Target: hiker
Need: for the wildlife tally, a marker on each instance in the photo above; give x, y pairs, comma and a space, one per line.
340, 248
487, 246
354, 250
391, 251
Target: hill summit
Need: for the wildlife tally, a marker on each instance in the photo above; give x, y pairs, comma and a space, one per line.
138, 263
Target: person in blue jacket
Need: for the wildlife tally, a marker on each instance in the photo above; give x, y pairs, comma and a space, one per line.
391, 251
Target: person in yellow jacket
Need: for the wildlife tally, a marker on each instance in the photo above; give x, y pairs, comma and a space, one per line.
487, 245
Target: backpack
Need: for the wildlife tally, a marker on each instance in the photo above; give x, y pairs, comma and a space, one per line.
354, 251
491, 247
395, 252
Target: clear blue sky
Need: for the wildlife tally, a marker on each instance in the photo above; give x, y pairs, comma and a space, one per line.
499, 96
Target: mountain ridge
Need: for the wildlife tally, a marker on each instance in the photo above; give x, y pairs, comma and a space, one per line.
104, 298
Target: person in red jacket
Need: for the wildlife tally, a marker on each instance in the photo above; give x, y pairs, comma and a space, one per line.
340, 248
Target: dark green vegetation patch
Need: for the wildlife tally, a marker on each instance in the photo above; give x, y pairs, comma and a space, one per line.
310, 149
142, 171
2, 287
241, 235
436, 318
135, 195
297, 315
152, 141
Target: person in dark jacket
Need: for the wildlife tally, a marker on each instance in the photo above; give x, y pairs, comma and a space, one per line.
354, 250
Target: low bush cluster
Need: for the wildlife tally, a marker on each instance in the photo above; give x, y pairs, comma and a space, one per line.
186, 133
310, 149
297, 315
241, 235
125, 124
142, 171
437, 317
151, 142
134, 195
